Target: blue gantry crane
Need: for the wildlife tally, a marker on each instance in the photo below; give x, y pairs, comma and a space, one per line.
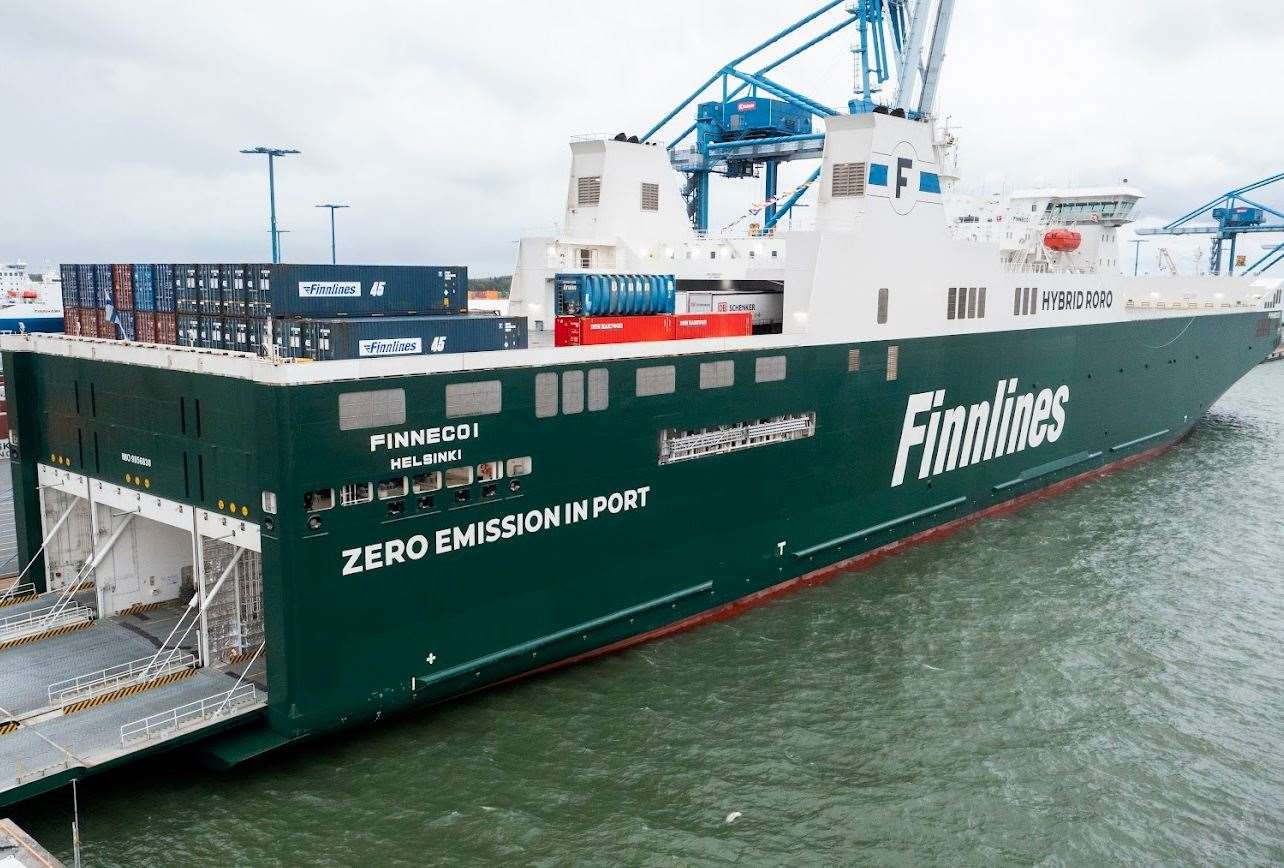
756, 123
1234, 214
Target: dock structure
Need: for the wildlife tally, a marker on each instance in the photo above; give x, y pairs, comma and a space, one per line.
20, 850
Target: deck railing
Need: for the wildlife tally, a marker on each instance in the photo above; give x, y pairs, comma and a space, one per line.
183, 717
114, 677
25, 623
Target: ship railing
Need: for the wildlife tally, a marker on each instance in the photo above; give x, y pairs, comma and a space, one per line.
69, 690
38, 621
192, 714
17, 591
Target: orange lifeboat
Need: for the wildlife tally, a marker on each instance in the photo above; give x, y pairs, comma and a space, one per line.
1062, 240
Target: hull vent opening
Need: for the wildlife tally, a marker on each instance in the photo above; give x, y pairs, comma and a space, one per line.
683, 445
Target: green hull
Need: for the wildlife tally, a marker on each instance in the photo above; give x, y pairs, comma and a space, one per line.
695, 536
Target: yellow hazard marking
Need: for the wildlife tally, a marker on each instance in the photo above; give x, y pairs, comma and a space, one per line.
141, 607
48, 634
122, 692
17, 599
8, 727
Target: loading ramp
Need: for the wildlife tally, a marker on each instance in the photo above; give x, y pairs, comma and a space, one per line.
151, 631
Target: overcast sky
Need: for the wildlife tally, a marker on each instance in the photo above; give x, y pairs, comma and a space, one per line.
444, 124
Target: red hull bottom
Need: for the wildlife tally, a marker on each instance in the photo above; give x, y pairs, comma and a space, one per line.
824, 574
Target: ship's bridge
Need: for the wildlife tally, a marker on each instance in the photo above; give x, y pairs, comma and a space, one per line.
1107, 206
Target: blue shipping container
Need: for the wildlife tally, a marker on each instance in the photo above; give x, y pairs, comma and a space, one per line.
144, 288
615, 294
376, 337
362, 290
103, 297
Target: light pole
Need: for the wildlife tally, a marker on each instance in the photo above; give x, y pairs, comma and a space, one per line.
1136, 259
333, 207
272, 154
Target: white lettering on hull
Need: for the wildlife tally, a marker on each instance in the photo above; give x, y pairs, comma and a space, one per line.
963, 435
449, 539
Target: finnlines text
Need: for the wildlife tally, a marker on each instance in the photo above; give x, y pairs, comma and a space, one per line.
965, 435
399, 551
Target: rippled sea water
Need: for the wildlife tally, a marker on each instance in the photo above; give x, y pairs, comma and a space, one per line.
1097, 678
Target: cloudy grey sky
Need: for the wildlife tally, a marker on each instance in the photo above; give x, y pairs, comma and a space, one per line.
445, 124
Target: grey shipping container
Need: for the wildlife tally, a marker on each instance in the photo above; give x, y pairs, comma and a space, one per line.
364, 290
378, 337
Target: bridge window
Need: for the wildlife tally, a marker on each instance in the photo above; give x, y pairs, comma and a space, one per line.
473, 399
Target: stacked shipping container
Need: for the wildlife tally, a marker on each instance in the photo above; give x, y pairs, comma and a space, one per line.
259, 308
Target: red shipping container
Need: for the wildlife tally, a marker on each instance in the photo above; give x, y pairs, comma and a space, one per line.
613, 329
712, 325
105, 327
566, 331
145, 327
71, 320
88, 322
122, 284
166, 328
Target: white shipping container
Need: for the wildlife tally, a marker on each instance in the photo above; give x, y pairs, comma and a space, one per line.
768, 308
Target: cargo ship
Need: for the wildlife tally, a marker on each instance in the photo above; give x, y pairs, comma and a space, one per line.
29, 302
239, 551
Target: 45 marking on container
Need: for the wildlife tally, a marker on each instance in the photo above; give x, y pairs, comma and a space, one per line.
377, 288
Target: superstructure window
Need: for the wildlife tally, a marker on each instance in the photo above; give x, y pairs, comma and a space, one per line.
459, 476
599, 389
650, 197
490, 471
1025, 301
769, 369
354, 493
656, 381
426, 483
853, 361
882, 305
971, 302
545, 395
572, 392
319, 500
390, 488
950, 301
519, 466
382, 408
588, 191
717, 375
965, 302
473, 399
893, 362
848, 180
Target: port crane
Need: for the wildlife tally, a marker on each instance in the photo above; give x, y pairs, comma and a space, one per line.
1234, 214
755, 123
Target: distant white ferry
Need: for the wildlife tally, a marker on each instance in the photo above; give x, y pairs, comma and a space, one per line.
29, 302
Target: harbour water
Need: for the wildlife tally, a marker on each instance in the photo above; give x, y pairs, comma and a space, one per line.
1097, 678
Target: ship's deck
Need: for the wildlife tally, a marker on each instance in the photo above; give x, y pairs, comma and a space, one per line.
39, 737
